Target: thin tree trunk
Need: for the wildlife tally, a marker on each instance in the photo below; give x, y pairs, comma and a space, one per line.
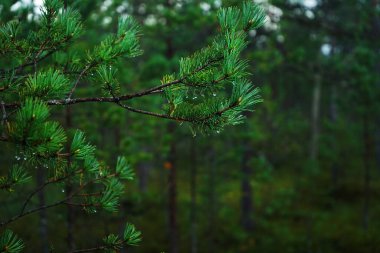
211, 200
333, 119
70, 218
43, 226
172, 178
246, 202
193, 193
377, 143
315, 119
172, 194
143, 171
367, 171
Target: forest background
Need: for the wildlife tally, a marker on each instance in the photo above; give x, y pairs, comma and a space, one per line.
301, 175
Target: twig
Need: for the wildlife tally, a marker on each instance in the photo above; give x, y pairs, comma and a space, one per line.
78, 79
125, 97
63, 201
41, 187
89, 250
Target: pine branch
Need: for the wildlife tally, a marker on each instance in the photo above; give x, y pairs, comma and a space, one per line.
63, 201
41, 187
157, 89
33, 211
31, 63
81, 74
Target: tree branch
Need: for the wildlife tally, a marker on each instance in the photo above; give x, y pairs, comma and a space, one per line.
157, 89
87, 68
89, 250
41, 187
63, 201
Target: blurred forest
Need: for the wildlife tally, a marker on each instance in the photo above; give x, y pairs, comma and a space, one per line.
301, 175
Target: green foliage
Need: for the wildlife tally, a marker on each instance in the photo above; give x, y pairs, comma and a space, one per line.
50, 84
109, 200
80, 148
131, 237
212, 71
123, 169
108, 78
30, 129
16, 175
10, 243
123, 44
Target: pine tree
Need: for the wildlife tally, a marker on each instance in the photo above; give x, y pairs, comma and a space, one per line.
209, 92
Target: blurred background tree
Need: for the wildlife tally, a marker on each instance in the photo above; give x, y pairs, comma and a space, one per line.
301, 176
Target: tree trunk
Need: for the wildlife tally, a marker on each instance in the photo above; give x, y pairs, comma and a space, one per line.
193, 193
172, 194
143, 172
43, 223
246, 203
378, 147
70, 218
172, 178
211, 199
315, 108
333, 119
367, 171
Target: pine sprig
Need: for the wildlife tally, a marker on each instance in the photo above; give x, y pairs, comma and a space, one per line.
49, 84
125, 43
16, 175
213, 72
123, 169
131, 237
80, 148
10, 243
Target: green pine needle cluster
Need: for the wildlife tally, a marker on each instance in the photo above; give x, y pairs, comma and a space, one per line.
131, 237
16, 175
214, 91
10, 243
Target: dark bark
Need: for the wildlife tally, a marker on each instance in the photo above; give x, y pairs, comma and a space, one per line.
333, 119
172, 166
211, 201
367, 157
70, 218
315, 108
43, 222
377, 133
247, 208
172, 195
143, 172
193, 193
368, 154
